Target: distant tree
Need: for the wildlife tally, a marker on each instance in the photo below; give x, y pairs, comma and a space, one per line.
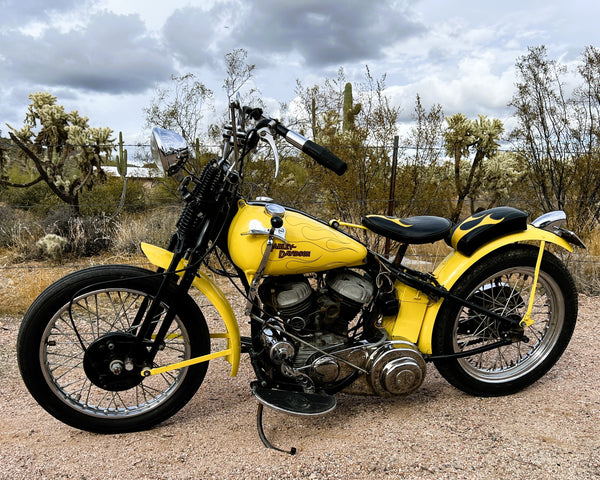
543, 131
502, 180
464, 138
239, 71
238, 75
558, 133
3, 154
67, 154
180, 107
318, 102
420, 193
361, 136
586, 197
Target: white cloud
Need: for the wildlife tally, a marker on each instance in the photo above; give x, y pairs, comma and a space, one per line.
107, 55
111, 54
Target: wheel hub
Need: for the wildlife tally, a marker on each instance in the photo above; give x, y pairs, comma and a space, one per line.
115, 361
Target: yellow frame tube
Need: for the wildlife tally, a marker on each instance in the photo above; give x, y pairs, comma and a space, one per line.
416, 319
185, 363
162, 258
345, 224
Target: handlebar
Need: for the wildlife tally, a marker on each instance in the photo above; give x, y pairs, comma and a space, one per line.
320, 154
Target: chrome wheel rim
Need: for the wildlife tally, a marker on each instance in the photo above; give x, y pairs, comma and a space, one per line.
513, 361
77, 325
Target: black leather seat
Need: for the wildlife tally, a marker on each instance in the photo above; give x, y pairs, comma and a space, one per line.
415, 230
485, 226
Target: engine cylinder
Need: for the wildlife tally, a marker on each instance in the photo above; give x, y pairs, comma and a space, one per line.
352, 290
290, 296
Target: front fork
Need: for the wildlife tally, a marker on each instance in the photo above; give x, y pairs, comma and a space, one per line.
146, 314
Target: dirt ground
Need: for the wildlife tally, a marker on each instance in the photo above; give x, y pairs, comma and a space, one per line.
549, 431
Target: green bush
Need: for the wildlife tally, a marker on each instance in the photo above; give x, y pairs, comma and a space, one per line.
104, 199
38, 197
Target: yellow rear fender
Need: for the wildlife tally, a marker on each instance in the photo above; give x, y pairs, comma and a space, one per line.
447, 274
162, 258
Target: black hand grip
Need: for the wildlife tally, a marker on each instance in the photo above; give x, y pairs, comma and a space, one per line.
312, 149
325, 157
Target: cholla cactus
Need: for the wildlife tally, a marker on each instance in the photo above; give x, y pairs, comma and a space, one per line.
52, 246
68, 154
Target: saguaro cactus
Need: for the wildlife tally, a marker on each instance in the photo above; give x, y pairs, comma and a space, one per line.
121, 160
350, 110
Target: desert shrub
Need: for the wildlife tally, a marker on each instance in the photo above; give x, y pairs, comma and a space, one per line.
585, 264
38, 196
89, 235
19, 231
57, 220
85, 236
155, 227
104, 199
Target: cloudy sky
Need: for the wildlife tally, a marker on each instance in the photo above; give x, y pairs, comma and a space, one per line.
105, 58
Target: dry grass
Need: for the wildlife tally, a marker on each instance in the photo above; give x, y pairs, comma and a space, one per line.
155, 228
23, 282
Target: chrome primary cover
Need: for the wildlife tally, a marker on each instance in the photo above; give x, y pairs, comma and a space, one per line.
396, 368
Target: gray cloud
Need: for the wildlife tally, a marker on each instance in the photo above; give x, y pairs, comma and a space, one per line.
18, 13
320, 33
327, 33
112, 54
189, 34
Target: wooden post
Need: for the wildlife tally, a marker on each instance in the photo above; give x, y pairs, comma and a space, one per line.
391, 201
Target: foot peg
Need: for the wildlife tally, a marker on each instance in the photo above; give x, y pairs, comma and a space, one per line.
296, 403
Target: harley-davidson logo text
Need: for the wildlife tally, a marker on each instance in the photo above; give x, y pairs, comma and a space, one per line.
288, 250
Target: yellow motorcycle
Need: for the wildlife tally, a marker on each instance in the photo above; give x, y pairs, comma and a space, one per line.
118, 348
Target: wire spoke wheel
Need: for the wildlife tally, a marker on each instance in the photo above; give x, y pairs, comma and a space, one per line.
74, 329
79, 356
504, 284
508, 294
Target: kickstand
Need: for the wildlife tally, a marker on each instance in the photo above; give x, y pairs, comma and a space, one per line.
261, 433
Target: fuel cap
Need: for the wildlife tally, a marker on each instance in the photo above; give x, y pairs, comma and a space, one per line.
273, 210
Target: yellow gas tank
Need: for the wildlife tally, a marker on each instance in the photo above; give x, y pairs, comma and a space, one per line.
309, 245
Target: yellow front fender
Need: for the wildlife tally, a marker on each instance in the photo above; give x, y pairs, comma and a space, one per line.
418, 314
162, 258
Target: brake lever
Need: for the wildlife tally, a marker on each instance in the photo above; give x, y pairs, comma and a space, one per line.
266, 135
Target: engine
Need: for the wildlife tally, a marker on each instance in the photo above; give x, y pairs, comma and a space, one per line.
320, 315
329, 307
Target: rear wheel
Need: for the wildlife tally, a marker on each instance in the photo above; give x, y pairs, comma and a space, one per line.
503, 283
79, 359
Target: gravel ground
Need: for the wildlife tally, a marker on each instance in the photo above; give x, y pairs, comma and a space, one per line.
548, 431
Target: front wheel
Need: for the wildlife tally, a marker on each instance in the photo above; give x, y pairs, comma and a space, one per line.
502, 282
79, 359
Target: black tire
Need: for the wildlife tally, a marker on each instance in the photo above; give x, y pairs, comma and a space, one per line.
84, 306
502, 282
